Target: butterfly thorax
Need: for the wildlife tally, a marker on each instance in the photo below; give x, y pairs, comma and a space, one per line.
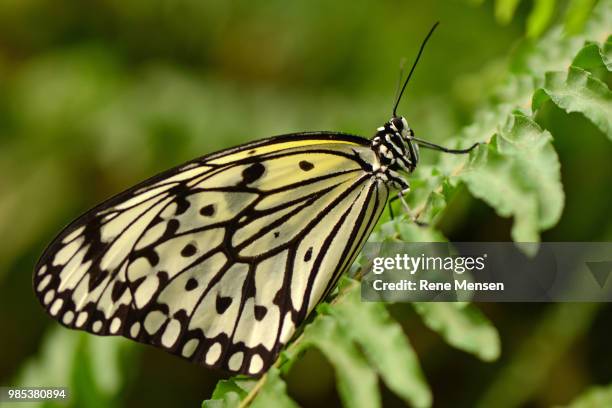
396, 152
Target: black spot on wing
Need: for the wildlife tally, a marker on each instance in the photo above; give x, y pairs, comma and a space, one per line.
188, 250
252, 173
306, 165
308, 255
191, 284
260, 312
222, 303
207, 210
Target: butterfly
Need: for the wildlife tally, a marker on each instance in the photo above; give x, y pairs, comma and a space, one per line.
221, 259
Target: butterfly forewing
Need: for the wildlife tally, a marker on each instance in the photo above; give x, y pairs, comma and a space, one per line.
218, 260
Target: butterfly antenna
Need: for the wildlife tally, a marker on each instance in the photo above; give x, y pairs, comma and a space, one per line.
414, 64
399, 78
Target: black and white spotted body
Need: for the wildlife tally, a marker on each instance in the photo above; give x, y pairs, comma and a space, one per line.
396, 152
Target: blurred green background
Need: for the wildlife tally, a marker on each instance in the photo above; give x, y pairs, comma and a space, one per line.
95, 96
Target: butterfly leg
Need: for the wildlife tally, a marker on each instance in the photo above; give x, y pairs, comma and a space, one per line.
400, 196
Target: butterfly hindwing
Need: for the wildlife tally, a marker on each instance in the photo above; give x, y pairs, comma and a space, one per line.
218, 260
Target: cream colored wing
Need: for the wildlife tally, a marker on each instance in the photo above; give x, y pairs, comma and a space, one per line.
218, 260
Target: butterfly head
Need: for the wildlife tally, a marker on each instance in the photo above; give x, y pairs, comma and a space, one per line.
400, 125
394, 143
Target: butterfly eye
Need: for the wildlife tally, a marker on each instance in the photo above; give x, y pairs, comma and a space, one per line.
398, 123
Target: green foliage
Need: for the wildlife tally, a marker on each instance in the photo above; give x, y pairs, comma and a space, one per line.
94, 367
518, 174
519, 152
577, 14
229, 393
356, 379
540, 17
595, 397
372, 328
239, 391
579, 90
273, 393
505, 9
543, 13
533, 362
462, 326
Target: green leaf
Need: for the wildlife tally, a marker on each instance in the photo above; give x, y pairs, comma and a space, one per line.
577, 14
84, 390
356, 380
404, 229
504, 10
594, 398
53, 363
70, 359
607, 53
592, 58
370, 325
229, 393
105, 355
462, 326
412, 232
578, 91
518, 174
273, 393
540, 17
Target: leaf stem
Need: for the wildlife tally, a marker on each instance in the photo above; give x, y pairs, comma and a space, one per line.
253, 392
